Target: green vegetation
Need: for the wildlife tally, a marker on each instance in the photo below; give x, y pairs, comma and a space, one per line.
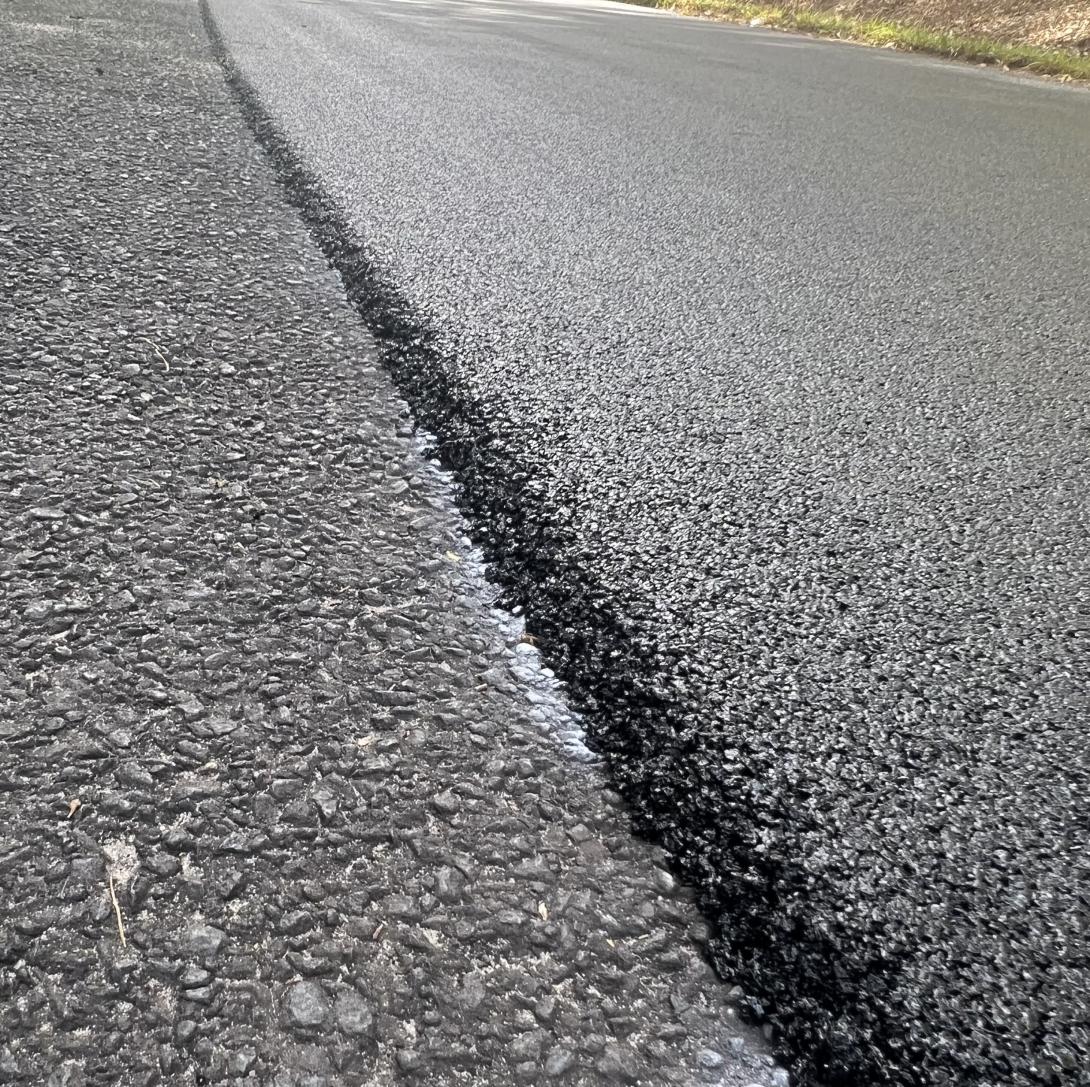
882, 33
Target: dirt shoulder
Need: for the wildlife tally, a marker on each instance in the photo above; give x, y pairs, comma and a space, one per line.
1054, 24
1047, 37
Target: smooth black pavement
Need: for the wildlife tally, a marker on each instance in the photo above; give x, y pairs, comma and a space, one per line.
763, 363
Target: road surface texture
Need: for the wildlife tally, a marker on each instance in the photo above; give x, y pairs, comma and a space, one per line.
762, 363
326, 782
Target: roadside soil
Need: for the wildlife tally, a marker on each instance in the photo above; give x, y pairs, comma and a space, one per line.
1053, 24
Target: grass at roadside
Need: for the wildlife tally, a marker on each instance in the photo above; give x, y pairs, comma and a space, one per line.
882, 33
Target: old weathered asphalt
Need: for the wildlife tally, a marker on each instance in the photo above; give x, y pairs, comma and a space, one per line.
251, 684
763, 364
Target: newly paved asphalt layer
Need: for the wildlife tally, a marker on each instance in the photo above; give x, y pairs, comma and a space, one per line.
284, 801
763, 364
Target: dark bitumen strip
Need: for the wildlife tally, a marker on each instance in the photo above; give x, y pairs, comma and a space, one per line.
827, 1008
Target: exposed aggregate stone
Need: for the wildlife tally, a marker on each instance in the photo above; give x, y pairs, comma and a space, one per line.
329, 785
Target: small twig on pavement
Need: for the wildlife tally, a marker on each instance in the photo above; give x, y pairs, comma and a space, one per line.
117, 911
166, 365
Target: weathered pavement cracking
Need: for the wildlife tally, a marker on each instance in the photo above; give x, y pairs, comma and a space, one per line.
241, 626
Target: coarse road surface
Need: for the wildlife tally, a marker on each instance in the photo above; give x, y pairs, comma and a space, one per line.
763, 364
284, 800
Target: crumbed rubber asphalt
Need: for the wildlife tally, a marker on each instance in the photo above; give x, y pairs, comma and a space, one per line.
762, 364
284, 799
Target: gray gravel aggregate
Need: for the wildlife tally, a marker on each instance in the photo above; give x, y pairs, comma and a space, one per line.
252, 683
762, 364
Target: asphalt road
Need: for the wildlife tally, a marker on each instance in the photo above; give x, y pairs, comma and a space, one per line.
284, 801
763, 363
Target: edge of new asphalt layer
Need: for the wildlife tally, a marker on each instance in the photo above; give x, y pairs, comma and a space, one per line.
818, 1007
194, 413
608, 673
